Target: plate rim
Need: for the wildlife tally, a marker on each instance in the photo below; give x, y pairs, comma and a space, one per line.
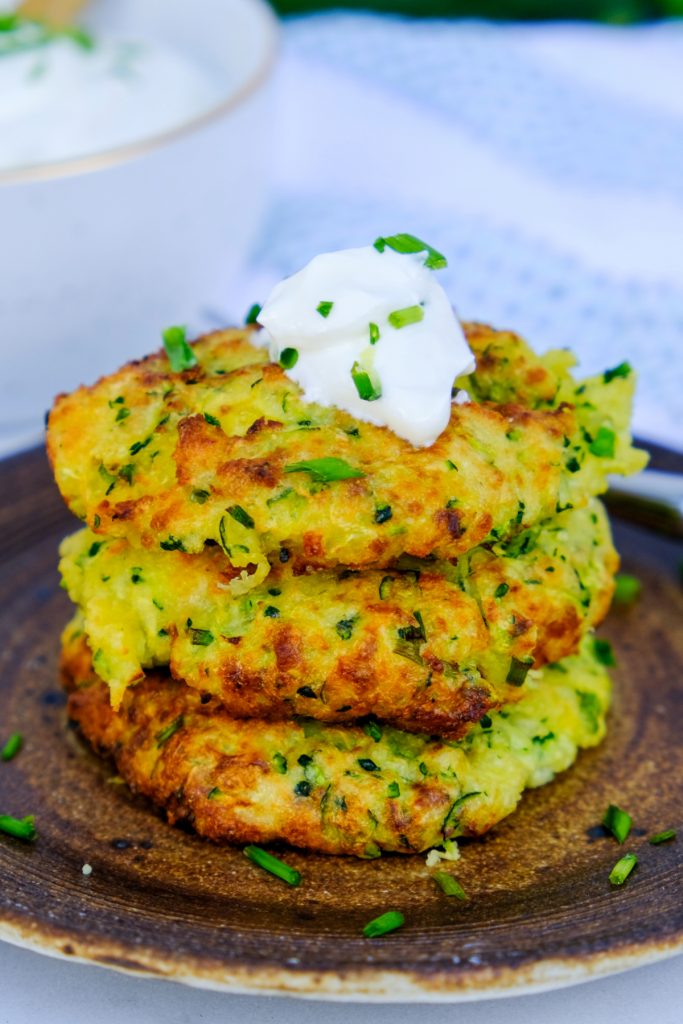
368, 982
361, 985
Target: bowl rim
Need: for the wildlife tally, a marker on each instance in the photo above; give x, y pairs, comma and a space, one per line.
72, 166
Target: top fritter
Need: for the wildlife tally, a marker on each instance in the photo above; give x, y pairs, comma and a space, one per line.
229, 452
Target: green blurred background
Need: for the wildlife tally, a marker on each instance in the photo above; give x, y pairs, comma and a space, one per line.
612, 11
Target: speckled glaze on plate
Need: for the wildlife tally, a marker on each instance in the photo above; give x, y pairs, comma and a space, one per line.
164, 903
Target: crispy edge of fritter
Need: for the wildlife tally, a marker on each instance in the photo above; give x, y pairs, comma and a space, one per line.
351, 663
219, 774
335, 525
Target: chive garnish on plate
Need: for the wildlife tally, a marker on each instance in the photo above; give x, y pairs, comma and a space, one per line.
19, 828
626, 589
254, 311
324, 308
623, 868
272, 864
662, 837
12, 747
387, 922
617, 822
449, 885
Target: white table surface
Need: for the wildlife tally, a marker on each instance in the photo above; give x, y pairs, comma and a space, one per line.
35, 989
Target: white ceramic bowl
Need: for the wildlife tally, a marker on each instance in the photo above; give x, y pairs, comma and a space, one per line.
97, 254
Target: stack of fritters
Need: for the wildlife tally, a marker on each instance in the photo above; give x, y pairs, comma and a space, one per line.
294, 625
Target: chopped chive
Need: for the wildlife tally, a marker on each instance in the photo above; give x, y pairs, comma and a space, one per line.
137, 446
12, 747
662, 837
622, 370
368, 765
324, 308
383, 513
307, 691
201, 637
385, 587
199, 496
271, 612
618, 822
20, 828
501, 590
213, 793
393, 790
280, 762
122, 414
289, 357
573, 465
518, 671
368, 390
405, 243
603, 443
374, 334
449, 885
94, 548
325, 470
404, 317
165, 734
211, 420
180, 355
414, 633
623, 868
242, 517
602, 649
272, 864
373, 730
387, 922
345, 627
303, 788
254, 311
627, 589
409, 649
171, 544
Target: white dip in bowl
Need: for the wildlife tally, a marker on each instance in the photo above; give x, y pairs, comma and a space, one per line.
133, 174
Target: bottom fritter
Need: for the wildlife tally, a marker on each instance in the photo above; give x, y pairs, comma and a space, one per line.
344, 789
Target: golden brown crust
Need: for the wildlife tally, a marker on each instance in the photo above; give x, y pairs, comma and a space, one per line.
335, 789
427, 649
130, 451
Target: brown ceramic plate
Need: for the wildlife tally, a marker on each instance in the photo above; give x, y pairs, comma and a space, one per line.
162, 902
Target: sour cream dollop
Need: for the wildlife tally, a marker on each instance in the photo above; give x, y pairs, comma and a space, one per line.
361, 320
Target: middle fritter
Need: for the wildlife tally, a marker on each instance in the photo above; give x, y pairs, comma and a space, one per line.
426, 645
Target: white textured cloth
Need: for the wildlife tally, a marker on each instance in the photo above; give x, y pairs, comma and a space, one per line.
546, 161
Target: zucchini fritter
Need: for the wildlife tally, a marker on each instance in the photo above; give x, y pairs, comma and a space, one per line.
337, 789
428, 648
229, 452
